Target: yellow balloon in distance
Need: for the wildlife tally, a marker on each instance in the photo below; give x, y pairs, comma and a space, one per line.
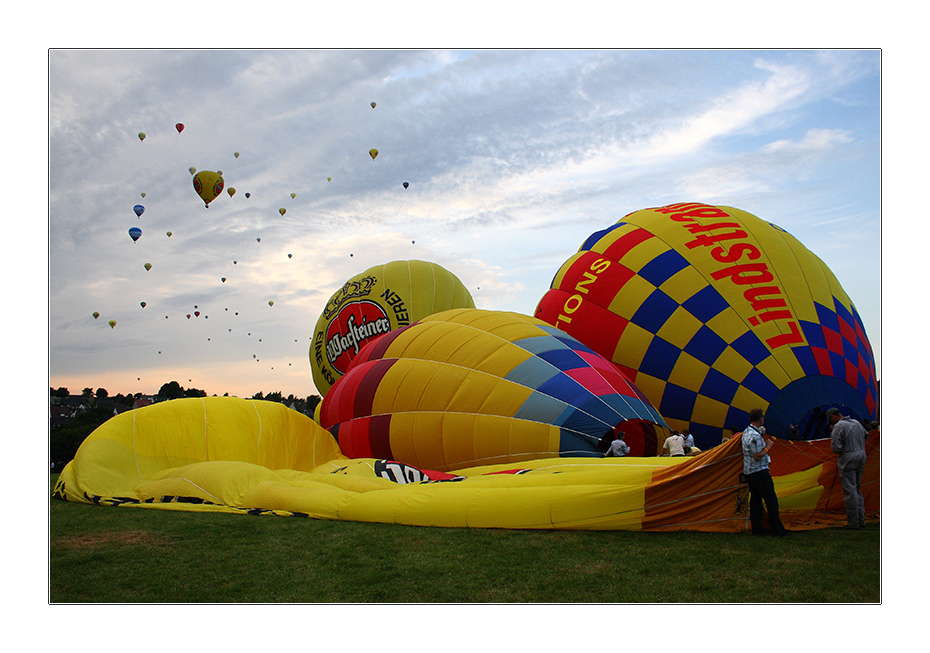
373, 153
208, 185
380, 299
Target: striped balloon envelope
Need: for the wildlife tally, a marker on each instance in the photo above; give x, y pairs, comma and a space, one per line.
712, 312
472, 387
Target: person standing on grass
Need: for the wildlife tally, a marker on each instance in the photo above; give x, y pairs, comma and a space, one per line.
847, 439
756, 468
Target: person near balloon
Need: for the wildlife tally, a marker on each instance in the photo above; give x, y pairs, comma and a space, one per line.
847, 439
618, 448
756, 469
674, 445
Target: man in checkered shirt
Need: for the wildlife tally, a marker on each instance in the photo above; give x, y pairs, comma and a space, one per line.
756, 468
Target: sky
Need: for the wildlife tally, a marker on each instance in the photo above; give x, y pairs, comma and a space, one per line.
513, 157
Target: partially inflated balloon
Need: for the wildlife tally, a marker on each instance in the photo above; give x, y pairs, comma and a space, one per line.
713, 312
471, 387
208, 185
373, 153
381, 298
135, 233
138, 209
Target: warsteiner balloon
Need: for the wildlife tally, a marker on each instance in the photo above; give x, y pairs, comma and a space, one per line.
712, 312
208, 185
373, 302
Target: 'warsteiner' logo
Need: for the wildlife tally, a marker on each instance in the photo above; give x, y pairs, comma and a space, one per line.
350, 329
351, 290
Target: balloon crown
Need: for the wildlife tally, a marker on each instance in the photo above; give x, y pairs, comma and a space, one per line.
351, 290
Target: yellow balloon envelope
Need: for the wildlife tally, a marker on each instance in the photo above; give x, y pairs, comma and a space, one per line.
224, 454
231, 191
381, 298
208, 185
712, 312
373, 153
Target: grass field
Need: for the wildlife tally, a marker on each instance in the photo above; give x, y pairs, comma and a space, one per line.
130, 555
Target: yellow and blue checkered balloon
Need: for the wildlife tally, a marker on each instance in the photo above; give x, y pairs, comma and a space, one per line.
712, 312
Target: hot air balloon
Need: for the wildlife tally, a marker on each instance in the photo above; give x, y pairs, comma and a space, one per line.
373, 153
231, 191
293, 195
223, 279
179, 127
96, 315
112, 323
143, 194
329, 179
208, 185
258, 240
422, 395
712, 312
135, 233
142, 304
290, 255
236, 154
138, 209
147, 266
192, 170
282, 210
271, 302
141, 136
248, 195
381, 298
168, 233
196, 313
374, 104
406, 184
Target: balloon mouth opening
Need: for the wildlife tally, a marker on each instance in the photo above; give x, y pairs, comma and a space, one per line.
814, 425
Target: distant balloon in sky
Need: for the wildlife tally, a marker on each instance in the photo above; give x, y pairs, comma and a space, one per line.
169, 234
282, 210
223, 279
231, 191
271, 302
329, 179
141, 136
96, 315
258, 240
236, 154
374, 104
138, 209
290, 255
293, 195
135, 233
406, 183
142, 304
179, 127
147, 266
192, 170
143, 193
208, 185
374, 153
248, 195
112, 323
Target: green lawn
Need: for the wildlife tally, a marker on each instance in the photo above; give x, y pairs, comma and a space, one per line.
130, 555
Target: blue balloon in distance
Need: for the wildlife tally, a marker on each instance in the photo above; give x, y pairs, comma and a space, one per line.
139, 209
135, 233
